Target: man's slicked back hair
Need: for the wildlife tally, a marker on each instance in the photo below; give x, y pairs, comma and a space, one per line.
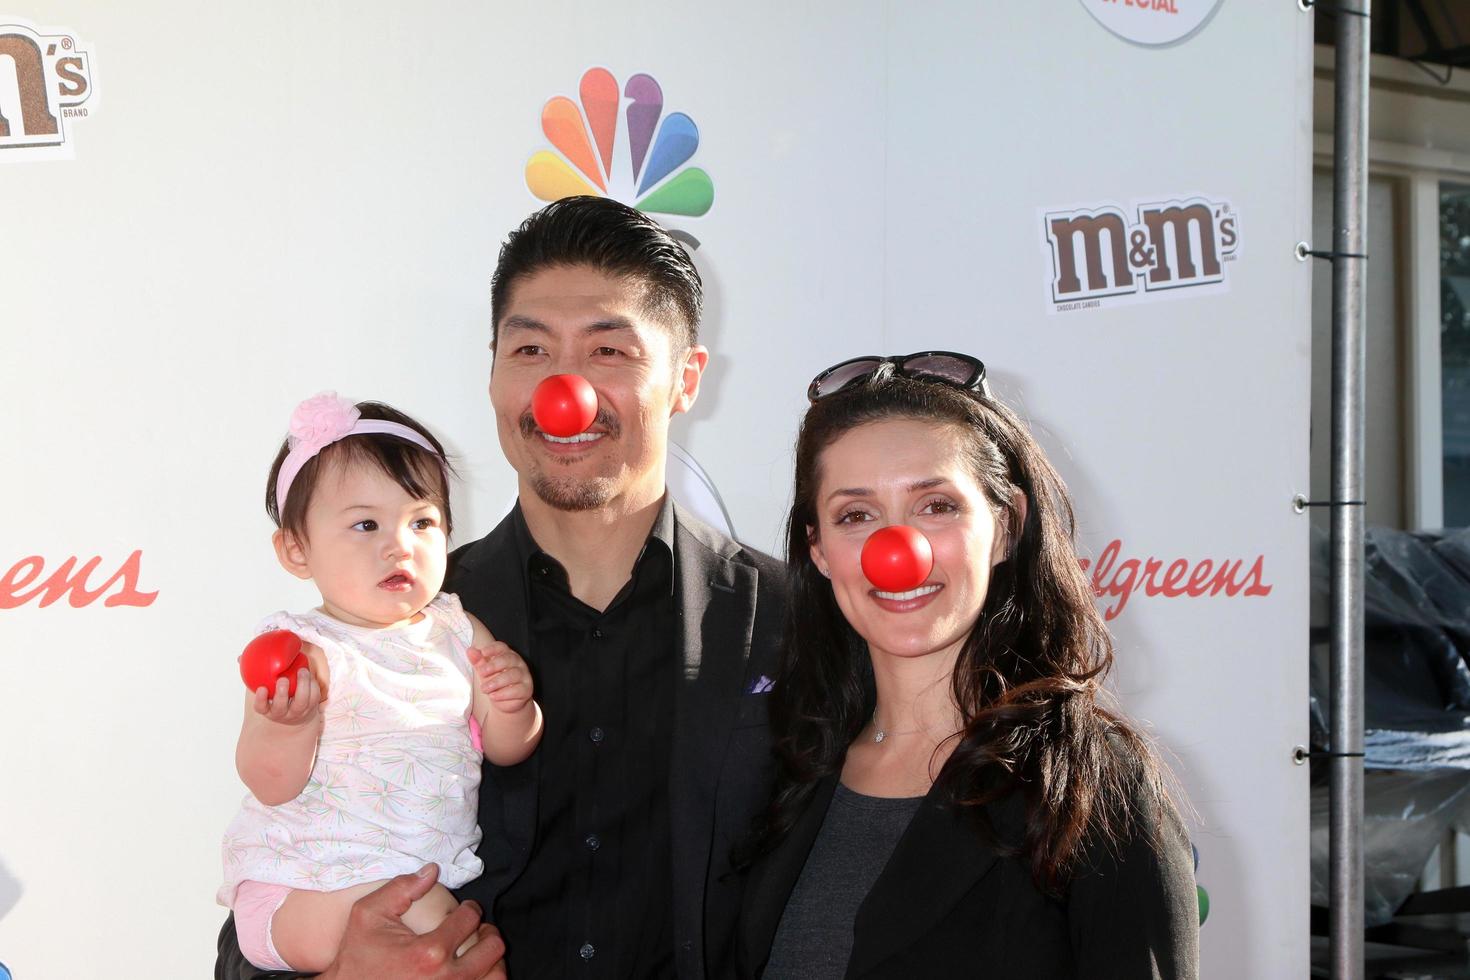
614, 239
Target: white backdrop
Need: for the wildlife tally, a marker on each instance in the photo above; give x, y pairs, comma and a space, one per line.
266, 201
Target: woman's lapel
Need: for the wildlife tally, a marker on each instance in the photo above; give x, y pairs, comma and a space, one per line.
774, 877
937, 861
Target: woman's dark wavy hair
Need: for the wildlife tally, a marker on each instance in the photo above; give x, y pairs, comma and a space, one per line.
1028, 680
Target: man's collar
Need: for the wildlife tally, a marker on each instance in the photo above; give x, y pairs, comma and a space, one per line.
662, 532
663, 524
525, 544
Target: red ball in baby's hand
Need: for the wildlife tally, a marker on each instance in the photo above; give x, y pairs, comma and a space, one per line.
564, 405
270, 655
897, 558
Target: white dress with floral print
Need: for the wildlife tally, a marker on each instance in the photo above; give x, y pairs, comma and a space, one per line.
396, 779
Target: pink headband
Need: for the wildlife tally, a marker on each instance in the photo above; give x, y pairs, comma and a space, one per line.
318, 422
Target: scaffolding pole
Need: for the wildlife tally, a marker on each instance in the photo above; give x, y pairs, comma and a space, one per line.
1349, 233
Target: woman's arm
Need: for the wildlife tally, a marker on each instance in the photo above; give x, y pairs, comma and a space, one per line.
510, 720
1135, 914
278, 738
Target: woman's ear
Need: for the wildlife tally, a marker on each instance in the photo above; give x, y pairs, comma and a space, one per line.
290, 553
819, 557
1008, 534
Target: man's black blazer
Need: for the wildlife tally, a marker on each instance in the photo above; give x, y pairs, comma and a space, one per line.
731, 602
947, 905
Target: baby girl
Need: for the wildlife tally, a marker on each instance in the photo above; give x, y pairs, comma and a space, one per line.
372, 768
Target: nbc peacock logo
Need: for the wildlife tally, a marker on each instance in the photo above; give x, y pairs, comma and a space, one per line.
641, 163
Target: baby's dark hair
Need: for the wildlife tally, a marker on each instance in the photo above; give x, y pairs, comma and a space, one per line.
422, 475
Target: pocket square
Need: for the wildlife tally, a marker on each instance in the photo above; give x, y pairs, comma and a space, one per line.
762, 685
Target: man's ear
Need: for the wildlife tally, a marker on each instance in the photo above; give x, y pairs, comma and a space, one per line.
819, 557
290, 553
1008, 534
686, 381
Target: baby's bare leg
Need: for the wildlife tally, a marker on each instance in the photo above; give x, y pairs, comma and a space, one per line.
307, 929
427, 913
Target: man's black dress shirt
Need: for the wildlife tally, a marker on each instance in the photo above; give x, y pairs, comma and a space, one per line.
596, 896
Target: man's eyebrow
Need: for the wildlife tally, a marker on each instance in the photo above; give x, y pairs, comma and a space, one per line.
518, 322
610, 323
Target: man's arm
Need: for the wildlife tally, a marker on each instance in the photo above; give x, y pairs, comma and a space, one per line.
378, 944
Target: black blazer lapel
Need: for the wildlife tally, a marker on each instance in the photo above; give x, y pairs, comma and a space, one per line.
716, 599
774, 878
936, 862
491, 585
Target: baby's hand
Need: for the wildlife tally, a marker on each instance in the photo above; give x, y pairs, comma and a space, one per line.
502, 675
287, 710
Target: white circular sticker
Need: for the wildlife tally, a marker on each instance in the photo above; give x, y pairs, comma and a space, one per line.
1152, 22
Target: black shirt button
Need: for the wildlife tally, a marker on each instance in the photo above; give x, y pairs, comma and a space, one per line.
593, 842
596, 634
597, 735
587, 951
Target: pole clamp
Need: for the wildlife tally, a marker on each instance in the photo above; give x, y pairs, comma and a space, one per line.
1303, 251
1300, 755
1300, 503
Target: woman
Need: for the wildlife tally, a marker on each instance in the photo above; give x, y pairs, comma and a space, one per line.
954, 797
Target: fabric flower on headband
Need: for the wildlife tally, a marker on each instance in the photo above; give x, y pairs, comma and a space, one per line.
320, 421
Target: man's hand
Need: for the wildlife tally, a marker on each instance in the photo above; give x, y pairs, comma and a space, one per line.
378, 944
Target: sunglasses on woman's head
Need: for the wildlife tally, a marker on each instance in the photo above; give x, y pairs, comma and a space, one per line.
959, 370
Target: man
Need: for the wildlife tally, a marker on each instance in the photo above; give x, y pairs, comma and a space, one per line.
649, 634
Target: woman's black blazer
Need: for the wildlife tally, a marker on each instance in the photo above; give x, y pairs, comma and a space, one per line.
947, 905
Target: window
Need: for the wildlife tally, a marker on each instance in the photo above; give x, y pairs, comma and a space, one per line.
1454, 349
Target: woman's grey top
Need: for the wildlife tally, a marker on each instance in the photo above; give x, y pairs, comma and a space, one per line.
814, 939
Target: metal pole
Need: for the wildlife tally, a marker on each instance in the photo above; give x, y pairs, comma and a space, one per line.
1349, 222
